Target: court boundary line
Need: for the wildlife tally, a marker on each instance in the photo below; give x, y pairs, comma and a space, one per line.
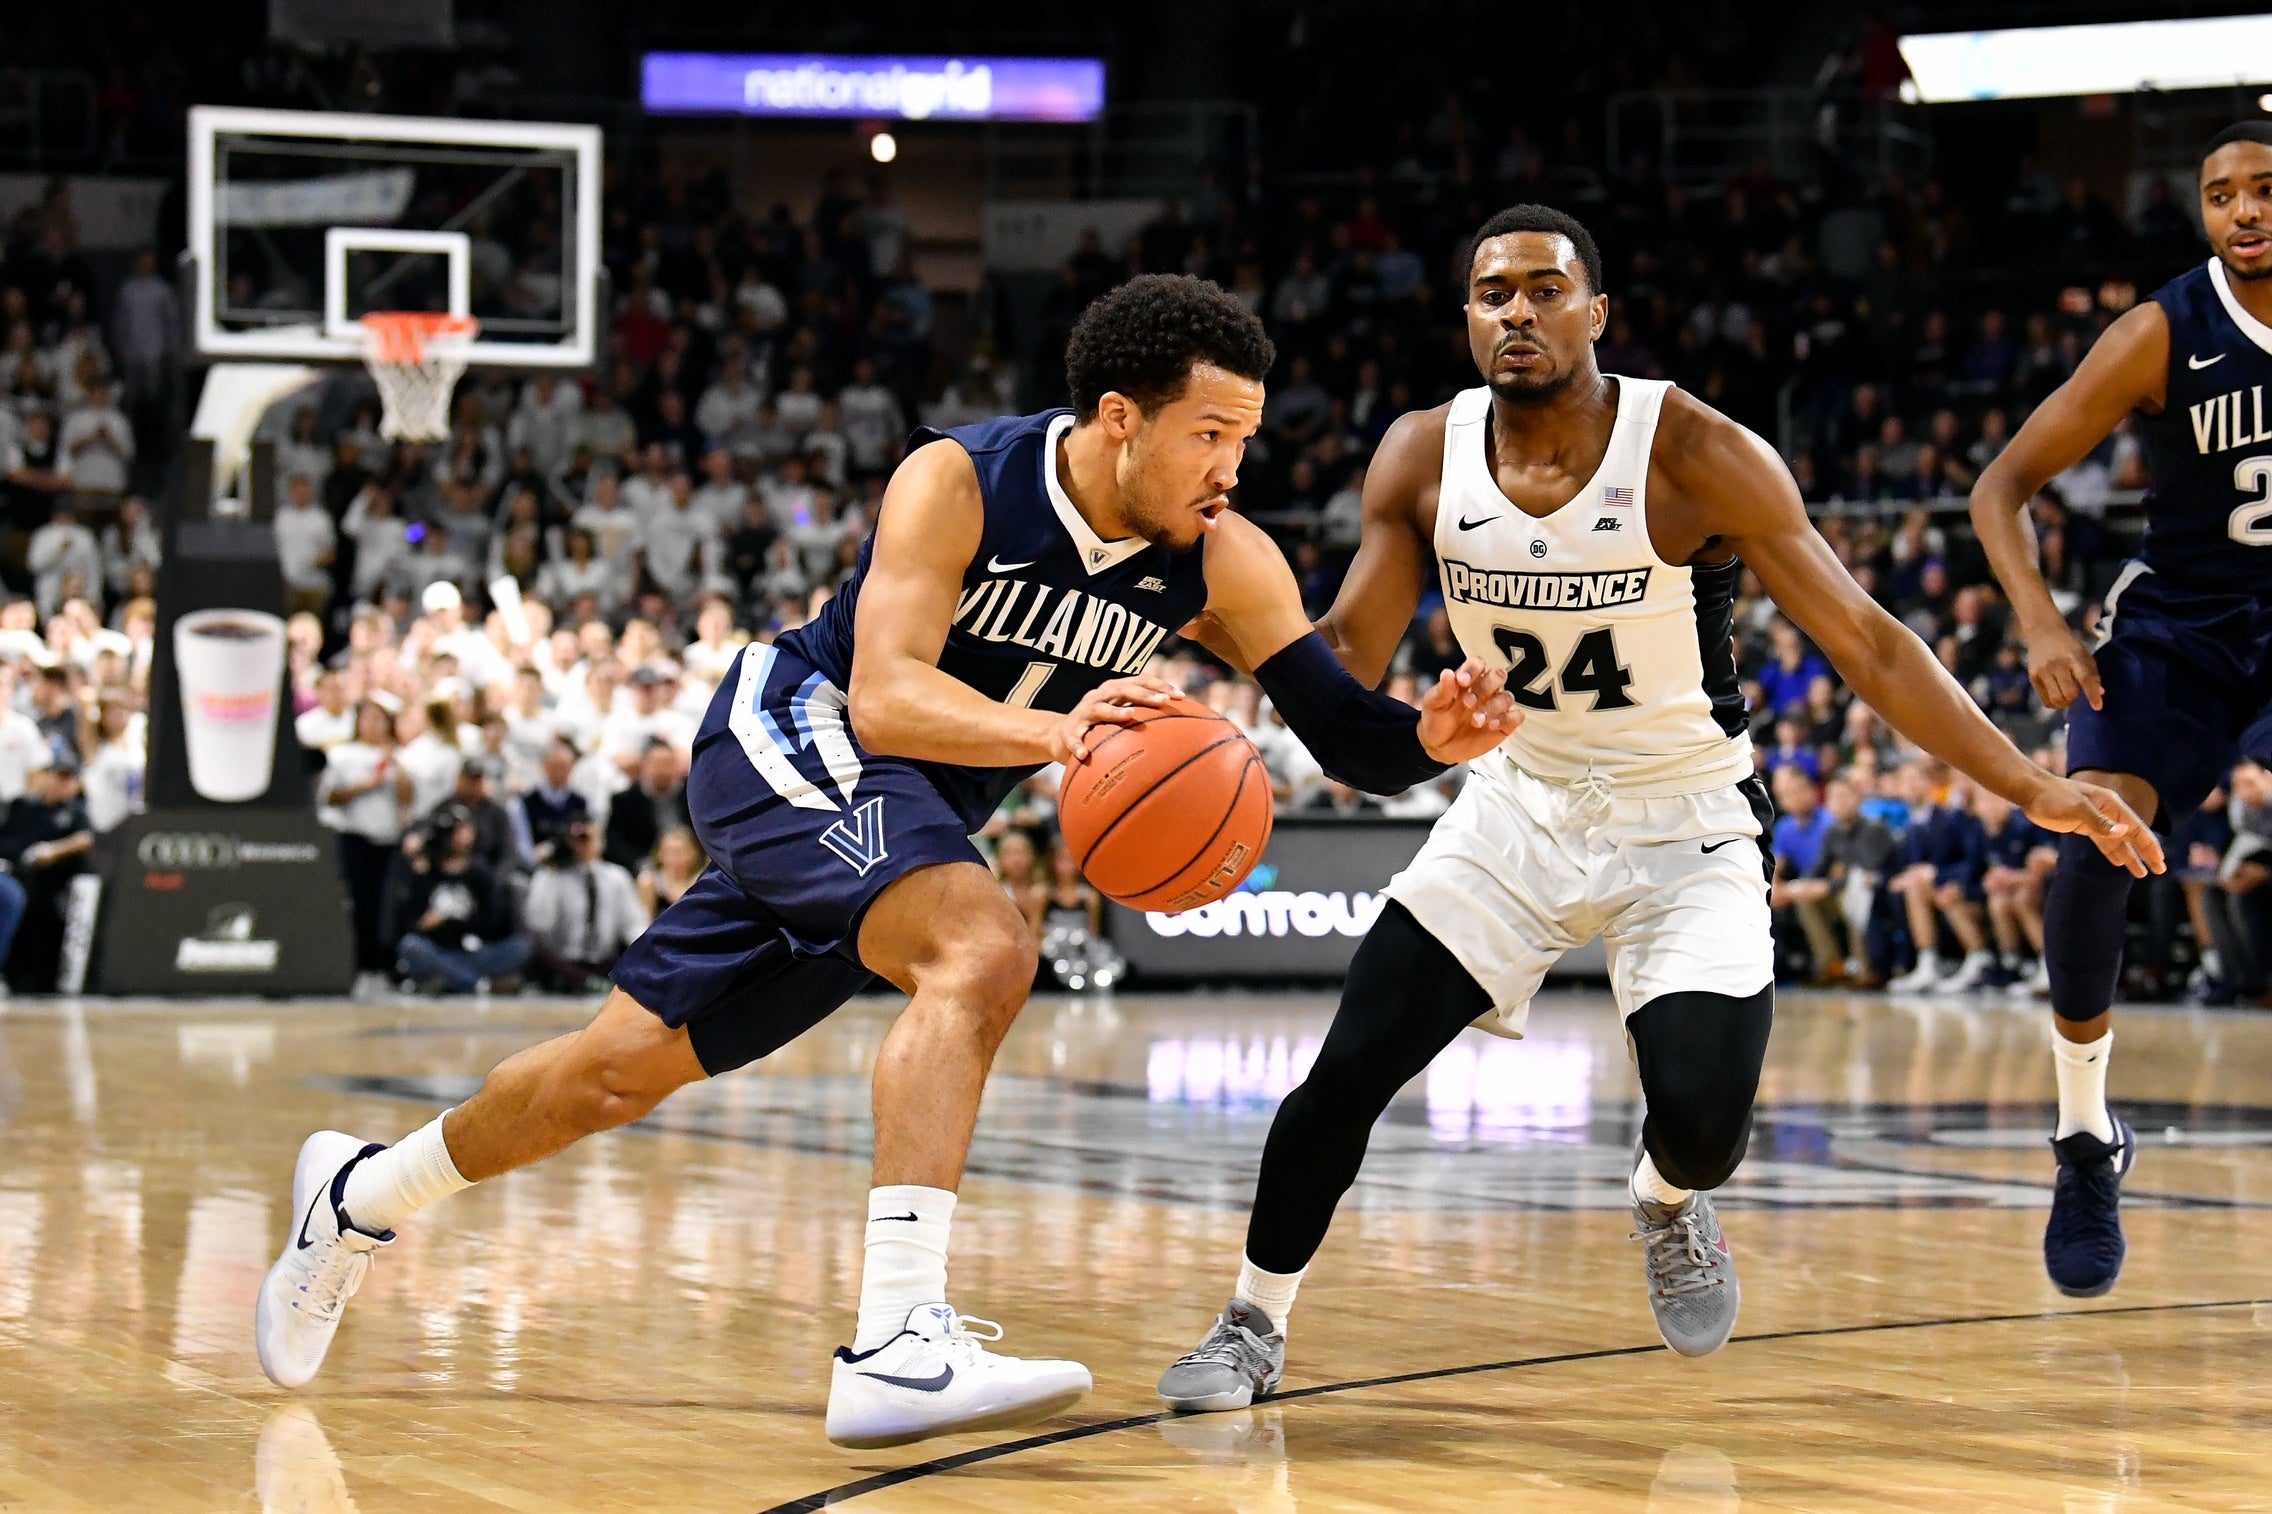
877, 1482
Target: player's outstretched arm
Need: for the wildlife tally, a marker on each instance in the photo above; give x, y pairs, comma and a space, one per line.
1369, 741
2126, 368
1743, 498
1374, 608
901, 704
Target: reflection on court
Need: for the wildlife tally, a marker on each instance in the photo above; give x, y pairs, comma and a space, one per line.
644, 1322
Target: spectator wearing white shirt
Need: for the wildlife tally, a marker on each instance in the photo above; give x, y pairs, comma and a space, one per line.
604, 430
64, 560
112, 779
362, 794
24, 748
874, 424
727, 411
545, 422
722, 496
647, 493
788, 496
797, 408
681, 546
98, 446
828, 456
578, 571
767, 310
377, 530
145, 330
614, 530
432, 758
302, 451
477, 657
306, 545
331, 719
625, 735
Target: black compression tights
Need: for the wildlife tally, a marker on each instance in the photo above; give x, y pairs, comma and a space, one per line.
1405, 999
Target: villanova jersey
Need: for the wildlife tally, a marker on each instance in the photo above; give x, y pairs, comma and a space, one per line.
1047, 611
2210, 450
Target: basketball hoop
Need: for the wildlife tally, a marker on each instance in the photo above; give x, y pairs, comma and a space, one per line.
416, 358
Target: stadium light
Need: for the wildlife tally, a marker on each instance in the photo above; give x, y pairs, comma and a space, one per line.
2111, 59
883, 147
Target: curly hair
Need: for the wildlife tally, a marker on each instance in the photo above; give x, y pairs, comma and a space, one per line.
1547, 219
1143, 339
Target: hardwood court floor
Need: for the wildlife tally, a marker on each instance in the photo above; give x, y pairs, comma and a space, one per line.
644, 1323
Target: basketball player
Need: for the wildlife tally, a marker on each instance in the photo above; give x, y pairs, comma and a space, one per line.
2181, 684
1021, 574
1589, 530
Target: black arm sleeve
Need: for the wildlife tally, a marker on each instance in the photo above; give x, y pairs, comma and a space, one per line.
1367, 740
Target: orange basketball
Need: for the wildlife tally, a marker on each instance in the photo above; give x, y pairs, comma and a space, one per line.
1170, 812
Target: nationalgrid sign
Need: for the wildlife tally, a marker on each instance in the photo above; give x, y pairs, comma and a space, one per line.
872, 86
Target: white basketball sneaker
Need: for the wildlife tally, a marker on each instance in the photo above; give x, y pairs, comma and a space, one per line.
936, 1377
324, 1262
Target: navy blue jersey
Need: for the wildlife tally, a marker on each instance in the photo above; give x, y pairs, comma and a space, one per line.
2209, 453
1047, 611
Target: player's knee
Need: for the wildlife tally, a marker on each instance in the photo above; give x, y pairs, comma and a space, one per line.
986, 972
1700, 1056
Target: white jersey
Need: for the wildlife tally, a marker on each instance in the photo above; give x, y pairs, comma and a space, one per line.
1623, 664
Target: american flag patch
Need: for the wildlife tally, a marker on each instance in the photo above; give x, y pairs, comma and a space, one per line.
1617, 499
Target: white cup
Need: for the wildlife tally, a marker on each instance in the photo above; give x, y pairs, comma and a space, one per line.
230, 664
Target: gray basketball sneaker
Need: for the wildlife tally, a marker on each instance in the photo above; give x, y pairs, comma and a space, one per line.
1241, 1362
1692, 1277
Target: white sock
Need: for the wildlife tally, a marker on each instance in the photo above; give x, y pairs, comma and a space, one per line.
1650, 1184
1271, 1292
907, 1259
2082, 1085
390, 1186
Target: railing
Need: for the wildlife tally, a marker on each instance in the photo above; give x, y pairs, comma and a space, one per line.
1704, 137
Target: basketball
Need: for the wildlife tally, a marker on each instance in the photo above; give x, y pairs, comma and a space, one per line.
1170, 812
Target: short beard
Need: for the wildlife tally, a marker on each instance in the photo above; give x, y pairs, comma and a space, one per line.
2242, 274
1524, 389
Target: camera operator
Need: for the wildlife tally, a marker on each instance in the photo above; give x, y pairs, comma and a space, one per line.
459, 934
582, 912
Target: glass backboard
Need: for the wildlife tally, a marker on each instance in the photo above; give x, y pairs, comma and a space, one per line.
301, 222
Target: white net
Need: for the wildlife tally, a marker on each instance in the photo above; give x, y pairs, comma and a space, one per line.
416, 358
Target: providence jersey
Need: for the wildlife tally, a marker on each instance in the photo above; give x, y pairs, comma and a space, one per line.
1623, 664
2209, 453
1047, 611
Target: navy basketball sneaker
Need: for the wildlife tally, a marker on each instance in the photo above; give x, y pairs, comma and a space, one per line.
2082, 1244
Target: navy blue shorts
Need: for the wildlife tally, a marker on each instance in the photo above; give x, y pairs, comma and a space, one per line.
2188, 680
803, 829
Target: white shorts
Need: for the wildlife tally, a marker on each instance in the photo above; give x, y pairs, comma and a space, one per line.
1519, 871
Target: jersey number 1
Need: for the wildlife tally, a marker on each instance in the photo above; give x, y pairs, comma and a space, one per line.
2247, 525
1592, 668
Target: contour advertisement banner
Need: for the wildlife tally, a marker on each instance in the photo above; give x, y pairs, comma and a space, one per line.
1300, 914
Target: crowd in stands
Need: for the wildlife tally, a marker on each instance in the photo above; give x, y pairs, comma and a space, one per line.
506, 766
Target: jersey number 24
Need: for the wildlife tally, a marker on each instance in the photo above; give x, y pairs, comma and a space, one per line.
1591, 668
2246, 524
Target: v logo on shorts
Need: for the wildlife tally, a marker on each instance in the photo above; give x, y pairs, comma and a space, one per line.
860, 839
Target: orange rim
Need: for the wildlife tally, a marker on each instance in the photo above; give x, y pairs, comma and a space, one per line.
400, 336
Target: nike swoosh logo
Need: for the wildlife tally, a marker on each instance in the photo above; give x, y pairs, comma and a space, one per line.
1715, 846
996, 565
910, 1215
1468, 525
2197, 362
304, 1243
919, 1384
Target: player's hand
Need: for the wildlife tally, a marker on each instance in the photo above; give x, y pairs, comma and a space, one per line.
1467, 712
2113, 827
1115, 703
2062, 669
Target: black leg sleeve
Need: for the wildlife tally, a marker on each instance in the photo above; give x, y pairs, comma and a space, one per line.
1406, 997
1700, 1056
